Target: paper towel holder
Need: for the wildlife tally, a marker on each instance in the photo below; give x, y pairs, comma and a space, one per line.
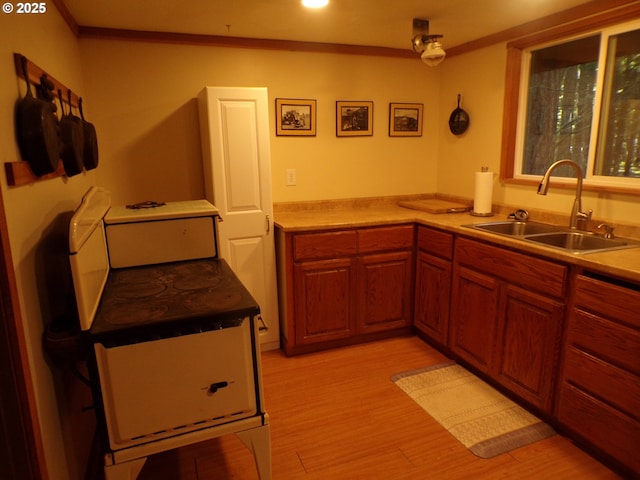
482, 214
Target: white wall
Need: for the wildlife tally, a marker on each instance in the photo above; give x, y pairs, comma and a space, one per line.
35, 222
145, 111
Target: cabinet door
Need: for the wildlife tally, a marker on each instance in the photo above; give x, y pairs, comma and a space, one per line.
324, 300
529, 327
433, 292
473, 316
384, 291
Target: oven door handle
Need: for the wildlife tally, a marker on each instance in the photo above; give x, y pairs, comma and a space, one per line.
263, 325
214, 387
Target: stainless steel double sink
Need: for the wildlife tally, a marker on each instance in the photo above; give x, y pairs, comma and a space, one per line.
572, 241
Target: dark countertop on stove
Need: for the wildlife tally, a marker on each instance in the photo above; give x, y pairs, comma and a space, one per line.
169, 299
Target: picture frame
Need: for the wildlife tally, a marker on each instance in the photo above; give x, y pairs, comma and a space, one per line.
354, 118
295, 117
405, 119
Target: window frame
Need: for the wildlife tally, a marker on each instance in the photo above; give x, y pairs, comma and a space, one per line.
516, 51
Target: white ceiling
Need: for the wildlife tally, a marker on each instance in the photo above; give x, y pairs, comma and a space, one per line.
384, 23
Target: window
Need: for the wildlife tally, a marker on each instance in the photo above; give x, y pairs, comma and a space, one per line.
560, 97
576, 98
618, 146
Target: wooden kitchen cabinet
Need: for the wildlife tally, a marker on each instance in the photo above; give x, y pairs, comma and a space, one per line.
599, 388
341, 287
507, 317
385, 278
433, 284
324, 300
324, 286
474, 316
528, 343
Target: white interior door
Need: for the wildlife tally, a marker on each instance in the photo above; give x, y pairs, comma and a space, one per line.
237, 167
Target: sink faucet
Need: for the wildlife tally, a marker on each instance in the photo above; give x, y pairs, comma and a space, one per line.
576, 210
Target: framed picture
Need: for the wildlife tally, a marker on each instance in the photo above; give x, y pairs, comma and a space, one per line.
405, 119
354, 118
295, 117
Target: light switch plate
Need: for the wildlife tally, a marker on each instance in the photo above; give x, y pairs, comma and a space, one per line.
291, 177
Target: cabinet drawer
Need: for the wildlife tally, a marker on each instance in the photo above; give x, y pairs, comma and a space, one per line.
385, 238
610, 300
614, 433
615, 343
517, 268
313, 246
604, 380
436, 242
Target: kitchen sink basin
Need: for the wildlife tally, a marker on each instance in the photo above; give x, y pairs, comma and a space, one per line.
555, 236
581, 241
516, 228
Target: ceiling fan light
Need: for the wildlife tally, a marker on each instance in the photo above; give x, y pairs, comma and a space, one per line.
315, 3
433, 54
426, 44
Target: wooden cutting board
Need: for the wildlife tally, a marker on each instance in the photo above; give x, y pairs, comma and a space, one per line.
435, 205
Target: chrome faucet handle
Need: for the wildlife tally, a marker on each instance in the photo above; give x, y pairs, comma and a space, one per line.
521, 214
608, 230
586, 216
583, 219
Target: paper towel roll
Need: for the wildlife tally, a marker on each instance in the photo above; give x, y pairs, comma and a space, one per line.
483, 193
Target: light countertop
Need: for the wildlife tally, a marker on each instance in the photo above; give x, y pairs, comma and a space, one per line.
314, 216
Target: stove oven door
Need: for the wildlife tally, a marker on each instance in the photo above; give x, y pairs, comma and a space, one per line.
167, 387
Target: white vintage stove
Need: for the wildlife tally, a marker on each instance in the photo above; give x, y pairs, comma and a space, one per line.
172, 331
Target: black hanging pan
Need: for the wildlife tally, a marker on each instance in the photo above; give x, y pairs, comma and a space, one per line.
38, 131
90, 141
459, 120
72, 135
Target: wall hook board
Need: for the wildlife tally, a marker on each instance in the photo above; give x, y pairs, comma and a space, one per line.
20, 172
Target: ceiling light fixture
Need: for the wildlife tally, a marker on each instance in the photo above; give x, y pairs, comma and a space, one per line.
427, 45
315, 3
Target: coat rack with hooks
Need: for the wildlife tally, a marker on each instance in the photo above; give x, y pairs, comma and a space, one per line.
20, 172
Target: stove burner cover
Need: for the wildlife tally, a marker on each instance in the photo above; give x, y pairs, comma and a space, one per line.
207, 301
196, 283
140, 290
190, 277
135, 284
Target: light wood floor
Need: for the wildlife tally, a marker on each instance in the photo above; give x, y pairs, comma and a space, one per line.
336, 415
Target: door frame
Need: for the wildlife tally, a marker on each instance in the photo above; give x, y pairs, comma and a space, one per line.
21, 449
